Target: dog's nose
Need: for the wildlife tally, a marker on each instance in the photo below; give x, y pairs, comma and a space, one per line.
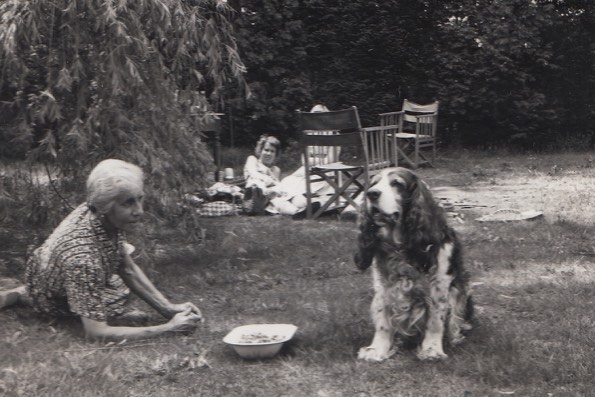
373, 194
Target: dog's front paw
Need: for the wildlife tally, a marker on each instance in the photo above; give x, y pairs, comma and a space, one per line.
370, 353
431, 354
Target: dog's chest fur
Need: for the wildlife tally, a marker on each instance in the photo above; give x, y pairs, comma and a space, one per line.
394, 261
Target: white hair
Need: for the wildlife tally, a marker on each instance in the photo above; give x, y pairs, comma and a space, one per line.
319, 108
108, 180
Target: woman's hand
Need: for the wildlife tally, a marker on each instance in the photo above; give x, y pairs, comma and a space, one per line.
176, 308
185, 321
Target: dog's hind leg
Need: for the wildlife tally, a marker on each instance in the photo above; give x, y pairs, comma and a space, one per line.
380, 348
440, 282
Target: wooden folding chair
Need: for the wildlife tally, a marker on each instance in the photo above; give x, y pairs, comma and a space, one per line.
380, 144
347, 180
416, 132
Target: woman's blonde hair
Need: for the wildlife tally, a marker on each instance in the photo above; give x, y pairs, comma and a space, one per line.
264, 139
109, 179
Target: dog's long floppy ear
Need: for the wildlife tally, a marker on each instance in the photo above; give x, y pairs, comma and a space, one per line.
422, 217
367, 240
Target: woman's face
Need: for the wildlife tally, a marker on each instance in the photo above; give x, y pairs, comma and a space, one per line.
268, 154
127, 210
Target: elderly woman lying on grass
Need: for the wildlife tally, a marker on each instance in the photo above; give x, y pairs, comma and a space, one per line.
84, 267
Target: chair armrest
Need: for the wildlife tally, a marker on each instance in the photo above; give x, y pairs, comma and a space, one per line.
392, 113
380, 127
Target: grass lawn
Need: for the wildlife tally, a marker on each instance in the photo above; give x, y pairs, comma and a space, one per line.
534, 288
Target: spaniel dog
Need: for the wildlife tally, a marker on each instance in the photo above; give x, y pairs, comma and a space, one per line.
420, 286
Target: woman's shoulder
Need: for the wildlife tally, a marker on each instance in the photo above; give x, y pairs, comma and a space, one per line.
251, 159
80, 230
76, 219
69, 246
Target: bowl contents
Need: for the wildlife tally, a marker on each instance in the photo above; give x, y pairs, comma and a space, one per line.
259, 337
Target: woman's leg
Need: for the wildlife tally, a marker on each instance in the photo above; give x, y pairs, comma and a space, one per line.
260, 201
255, 201
12, 296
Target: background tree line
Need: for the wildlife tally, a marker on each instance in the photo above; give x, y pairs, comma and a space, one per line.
85, 79
506, 72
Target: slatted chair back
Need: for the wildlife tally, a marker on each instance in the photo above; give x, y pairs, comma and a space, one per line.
322, 154
380, 145
347, 180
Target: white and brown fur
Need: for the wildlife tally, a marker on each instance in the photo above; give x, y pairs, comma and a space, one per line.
420, 286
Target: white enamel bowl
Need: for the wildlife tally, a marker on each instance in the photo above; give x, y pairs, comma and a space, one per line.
258, 341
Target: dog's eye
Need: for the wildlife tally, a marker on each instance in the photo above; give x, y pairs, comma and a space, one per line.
396, 183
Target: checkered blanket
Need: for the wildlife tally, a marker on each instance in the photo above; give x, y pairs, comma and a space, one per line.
218, 208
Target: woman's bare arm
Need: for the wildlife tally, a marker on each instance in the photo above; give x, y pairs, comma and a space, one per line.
140, 284
252, 171
181, 322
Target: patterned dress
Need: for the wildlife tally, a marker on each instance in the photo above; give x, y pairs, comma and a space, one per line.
75, 271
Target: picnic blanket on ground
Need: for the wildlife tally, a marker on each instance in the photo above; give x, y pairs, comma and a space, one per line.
218, 200
218, 208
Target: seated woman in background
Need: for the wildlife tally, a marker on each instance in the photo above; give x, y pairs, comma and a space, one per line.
84, 268
262, 178
265, 193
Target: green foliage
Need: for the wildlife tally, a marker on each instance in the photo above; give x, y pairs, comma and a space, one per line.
125, 80
491, 64
33, 196
506, 72
85, 80
271, 40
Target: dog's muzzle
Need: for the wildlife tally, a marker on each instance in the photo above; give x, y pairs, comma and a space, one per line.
380, 217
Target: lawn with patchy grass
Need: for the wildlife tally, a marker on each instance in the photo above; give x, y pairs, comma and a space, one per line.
534, 287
